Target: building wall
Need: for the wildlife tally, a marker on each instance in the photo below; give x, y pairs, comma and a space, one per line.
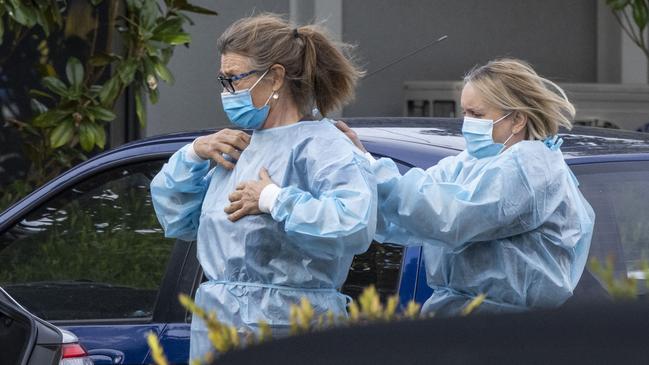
558, 37
567, 41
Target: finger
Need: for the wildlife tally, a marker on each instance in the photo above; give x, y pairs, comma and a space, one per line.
237, 215
342, 126
222, 161
263, 174
233, 207
243, 136
238, 139
241, 186
231, 151
234, 196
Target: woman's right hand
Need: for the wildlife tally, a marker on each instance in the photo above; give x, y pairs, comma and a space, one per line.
228, 141
350, 134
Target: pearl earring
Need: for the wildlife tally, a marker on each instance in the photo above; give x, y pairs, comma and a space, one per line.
276, 95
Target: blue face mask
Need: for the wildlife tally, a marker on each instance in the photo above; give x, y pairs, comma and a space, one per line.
240, 109
479, 139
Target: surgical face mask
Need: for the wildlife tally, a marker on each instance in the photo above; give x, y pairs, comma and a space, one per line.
479, 139
240, 109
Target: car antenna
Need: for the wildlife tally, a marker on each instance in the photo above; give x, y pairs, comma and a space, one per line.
405, 56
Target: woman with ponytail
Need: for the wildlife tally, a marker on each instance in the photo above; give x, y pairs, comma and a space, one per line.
284, 211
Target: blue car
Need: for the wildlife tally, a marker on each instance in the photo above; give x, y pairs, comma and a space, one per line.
86, 252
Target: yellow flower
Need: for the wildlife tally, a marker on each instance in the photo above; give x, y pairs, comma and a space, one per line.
157, 353
473, 304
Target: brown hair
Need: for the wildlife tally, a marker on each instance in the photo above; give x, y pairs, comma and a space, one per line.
512, 85
318, 70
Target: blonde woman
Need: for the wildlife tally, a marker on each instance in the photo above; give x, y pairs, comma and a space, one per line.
505, 217
261, 258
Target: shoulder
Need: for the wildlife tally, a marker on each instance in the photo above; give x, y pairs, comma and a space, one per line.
323, 138
535, 160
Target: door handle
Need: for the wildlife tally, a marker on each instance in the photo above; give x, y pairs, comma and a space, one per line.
106, 357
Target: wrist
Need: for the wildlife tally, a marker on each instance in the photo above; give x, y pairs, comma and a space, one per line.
268, 197
191, 153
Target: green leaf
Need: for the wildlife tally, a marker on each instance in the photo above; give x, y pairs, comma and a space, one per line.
62, 134
22, 14
55, 85
617, 5
171, 25
2, 28
109, 91
640, 14
127, 70
163, 72
186, 6
50, 118
86, 136
154, 96
34, 92
140, 110
101, 113
96, 2
134, 4
173, 39
74, 72
103, 59
100, 135
148, 14
42, 20
37, 106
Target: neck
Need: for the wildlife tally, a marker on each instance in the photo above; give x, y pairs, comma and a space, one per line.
282, 112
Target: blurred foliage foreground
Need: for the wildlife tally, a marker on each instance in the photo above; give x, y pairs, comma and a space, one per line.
368, 309
64, 64
303, 319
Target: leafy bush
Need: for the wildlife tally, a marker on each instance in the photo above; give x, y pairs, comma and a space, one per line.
303, 319
69, 113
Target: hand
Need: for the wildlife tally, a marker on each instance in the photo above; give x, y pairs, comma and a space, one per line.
227, 141
245, 199
350, 134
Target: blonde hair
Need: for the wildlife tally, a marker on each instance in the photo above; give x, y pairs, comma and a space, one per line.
512, 85
318, 70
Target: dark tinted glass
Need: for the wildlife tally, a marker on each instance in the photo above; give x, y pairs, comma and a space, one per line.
619, 194
96, 251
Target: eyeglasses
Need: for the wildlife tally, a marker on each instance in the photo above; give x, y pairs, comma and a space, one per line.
227, 82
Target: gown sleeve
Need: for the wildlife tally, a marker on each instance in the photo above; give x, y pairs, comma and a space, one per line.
422, 206
177, 192
338, 214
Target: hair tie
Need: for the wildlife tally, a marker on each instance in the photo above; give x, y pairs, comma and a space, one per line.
295, 33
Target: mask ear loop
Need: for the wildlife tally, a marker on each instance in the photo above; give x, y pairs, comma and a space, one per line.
256, 82
511, 135
503, 117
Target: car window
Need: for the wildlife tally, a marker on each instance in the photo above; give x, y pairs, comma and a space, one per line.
619, 194
95, 251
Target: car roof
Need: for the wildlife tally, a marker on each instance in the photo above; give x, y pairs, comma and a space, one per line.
423, 141
447, 132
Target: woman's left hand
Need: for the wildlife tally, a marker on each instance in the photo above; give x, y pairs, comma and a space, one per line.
245, 199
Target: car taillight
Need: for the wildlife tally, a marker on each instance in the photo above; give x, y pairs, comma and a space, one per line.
74, 354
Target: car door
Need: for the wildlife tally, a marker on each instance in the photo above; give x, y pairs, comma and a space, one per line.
25, 339
93, 259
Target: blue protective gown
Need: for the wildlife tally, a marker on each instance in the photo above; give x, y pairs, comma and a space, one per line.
260, 265
513, 226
